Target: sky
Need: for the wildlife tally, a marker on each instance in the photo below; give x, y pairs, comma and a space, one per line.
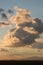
24, 33
35, 6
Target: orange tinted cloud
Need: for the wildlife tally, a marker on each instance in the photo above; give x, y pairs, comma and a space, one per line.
31, 30
26, 31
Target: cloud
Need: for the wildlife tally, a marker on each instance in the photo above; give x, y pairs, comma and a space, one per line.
10, 13
40, 40
38, 20
26, 31
4, 16
22, 11
3, 50
1, 10
1, 42
21, 15
19, 37
8, 38
4, 24
31, 30
38, 26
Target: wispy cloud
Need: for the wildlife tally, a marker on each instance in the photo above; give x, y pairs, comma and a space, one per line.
4, 24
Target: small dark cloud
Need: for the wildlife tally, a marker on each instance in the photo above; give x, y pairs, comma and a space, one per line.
10, 11
4, 15
38, 20
37, 45
1, 10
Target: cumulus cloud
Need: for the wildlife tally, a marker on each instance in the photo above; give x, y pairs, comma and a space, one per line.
9, 39
26, 31
22, 11
19, 37
21, 15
